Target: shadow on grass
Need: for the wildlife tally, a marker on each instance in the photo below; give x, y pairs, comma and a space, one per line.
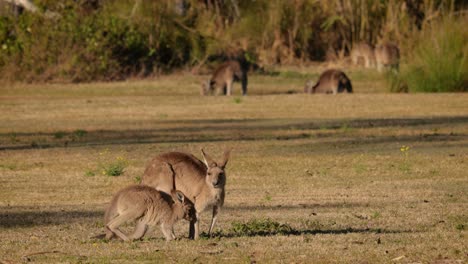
293, 207
269, 227
12, 217
183, 131
23, 216
299, 232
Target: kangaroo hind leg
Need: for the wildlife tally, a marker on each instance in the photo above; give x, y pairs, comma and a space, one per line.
140, 230
128, 215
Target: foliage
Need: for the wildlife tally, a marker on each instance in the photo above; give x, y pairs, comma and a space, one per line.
440, 59
118, 39
114, 168
109, 166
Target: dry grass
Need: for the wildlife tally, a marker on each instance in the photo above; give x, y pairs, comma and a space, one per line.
328, 167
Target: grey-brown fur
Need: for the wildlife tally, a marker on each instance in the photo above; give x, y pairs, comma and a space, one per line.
221, 82
363, 53
330, 81
202, 182
387, 56
148, 207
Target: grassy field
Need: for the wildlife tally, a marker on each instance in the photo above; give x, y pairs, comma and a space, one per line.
371, 177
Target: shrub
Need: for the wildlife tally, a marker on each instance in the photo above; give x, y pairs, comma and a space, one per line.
439, 59
111, 166
114, 168
108, 40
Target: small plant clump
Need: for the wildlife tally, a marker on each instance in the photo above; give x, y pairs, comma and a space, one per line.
89, 173
114, 168
137, 179
404, 150
260, 227
237, 100
59, 134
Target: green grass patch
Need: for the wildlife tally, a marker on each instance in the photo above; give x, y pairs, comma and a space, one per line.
114, 168
260, 227
90, 173
79, 133
59, 134
237, 100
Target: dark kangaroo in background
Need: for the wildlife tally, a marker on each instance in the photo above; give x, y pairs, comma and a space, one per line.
330, 81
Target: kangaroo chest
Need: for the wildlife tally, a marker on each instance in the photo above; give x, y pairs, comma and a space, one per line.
209, 199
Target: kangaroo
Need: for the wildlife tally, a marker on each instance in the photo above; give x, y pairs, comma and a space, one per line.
330, 81
387, 56
148, 207
202, 182
223, 77
363, 53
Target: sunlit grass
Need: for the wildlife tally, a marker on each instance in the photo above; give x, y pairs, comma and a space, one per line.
312, 178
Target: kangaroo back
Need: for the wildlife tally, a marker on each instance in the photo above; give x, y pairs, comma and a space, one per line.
332, 81
184, 171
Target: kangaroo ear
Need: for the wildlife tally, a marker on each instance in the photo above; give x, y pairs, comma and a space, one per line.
180, 196
209, 162
226, 155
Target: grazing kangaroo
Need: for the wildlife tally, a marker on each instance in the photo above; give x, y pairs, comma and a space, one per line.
223, 77
202, 182
330, 81
363, 52
148, 207
387, 56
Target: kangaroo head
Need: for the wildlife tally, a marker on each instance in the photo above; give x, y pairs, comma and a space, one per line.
215, 174
188, 208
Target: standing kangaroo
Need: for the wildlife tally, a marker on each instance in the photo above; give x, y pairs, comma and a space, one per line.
223, 78
387, 56
330, 81
363, 53
148, 207
202, 182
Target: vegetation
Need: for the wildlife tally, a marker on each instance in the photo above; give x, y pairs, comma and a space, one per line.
109, 40
260, 227
439, 62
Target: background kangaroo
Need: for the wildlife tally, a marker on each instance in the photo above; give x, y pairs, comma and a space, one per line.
223, 78
202, 182
330, 81
387, 56
150, 207
363, 53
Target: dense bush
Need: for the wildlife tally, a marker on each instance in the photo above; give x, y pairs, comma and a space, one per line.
80, 46
439, 61
73, 47
107, 40
440, 58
